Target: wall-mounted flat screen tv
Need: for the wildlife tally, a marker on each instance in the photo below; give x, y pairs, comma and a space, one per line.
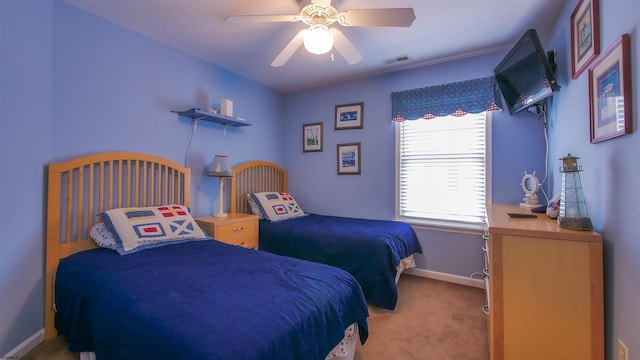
525, 76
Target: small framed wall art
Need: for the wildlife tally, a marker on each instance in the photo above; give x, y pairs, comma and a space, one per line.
349, 159
312, 137
349, 116
585, 36
610, 92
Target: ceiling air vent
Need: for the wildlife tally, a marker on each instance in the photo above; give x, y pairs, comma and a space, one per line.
396, 59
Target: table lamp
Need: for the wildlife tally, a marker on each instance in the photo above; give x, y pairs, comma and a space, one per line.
221, 170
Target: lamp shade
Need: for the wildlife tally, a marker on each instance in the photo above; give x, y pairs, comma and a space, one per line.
220, 167
318, 39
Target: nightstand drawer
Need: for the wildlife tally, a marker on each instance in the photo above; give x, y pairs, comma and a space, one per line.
238, 229
248, 241
234, 229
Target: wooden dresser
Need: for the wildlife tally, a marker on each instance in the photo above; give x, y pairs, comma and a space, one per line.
545, 289
235, 229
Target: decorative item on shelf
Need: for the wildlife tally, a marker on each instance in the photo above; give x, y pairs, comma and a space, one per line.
226, 107
530, 186
573, 208
220, 169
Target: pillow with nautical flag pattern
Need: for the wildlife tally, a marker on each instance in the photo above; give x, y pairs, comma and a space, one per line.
142, 228
277, 206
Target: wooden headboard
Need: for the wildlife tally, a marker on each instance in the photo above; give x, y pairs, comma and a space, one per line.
252, 177
81, 188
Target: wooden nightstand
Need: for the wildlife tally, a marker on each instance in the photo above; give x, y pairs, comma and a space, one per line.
234, 229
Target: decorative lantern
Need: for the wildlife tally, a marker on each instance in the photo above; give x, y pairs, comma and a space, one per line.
573, 208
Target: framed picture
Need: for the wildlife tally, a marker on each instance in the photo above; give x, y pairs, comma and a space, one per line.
585, 36
349, 159
349, 116
312, 137
610, 92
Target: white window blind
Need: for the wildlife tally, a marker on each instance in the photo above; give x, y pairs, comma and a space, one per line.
442, 168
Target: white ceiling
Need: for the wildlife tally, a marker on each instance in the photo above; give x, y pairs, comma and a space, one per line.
443, 30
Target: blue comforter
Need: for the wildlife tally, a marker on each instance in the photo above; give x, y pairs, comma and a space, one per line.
368, 249
204, 300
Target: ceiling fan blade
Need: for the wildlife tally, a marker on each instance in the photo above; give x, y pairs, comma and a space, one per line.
400, 17
345, 47
288, 50
242, 19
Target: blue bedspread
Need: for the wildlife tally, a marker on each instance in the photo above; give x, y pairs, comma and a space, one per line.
204, 300
368, 249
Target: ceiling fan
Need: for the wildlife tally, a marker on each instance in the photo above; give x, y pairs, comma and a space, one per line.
319, 38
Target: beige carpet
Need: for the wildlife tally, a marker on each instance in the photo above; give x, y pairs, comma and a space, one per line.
433, 320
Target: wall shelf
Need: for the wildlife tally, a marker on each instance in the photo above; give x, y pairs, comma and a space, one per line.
197, 114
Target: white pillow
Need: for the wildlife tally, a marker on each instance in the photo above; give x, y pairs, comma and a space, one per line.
102, 236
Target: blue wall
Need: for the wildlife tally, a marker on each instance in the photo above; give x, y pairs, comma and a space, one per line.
115, 89
73, 84
25, 107
609, 171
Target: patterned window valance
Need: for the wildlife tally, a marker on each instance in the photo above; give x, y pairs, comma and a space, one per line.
457, 99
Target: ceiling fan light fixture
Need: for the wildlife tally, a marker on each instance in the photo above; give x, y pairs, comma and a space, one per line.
318, 39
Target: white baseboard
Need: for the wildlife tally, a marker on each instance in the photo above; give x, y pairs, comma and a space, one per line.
456, 279
26, 346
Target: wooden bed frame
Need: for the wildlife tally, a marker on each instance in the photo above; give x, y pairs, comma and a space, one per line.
81, 188
253, 177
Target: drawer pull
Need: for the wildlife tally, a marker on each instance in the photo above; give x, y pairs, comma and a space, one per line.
238, 229
485, 310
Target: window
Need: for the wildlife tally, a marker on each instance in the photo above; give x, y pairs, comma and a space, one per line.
442, 167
